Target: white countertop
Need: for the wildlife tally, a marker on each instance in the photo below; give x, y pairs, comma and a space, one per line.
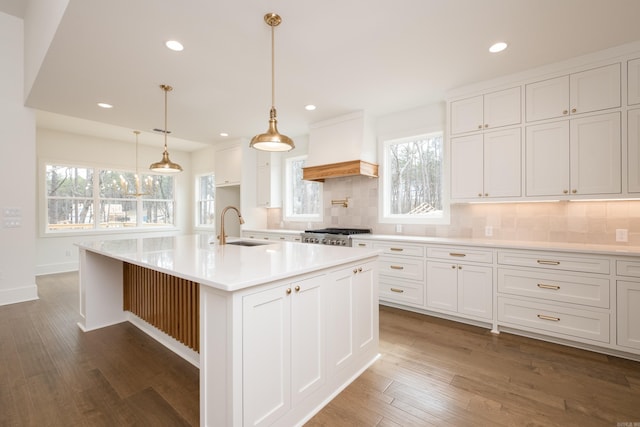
509, 244
226, 267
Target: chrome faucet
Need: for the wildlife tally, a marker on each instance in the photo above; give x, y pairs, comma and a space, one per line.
221, 236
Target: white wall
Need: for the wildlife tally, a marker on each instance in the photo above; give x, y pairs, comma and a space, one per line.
17, 169
55, 253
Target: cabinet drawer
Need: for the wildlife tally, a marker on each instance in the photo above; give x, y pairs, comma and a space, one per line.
591, 291
590, 325
628, 268
401, 291
401, 267
460, 254
362, 243
400, 249
555, 261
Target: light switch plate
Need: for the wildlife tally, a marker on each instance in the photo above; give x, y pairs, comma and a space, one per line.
622, 235
488, 231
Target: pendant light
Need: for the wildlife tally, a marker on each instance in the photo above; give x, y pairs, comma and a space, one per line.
272, 140
165, 165
137, 193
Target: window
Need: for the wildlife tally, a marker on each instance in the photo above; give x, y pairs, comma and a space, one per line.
303, 199
80, 198
412, 187
205, 198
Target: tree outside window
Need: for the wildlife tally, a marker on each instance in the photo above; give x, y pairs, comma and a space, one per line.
303, 199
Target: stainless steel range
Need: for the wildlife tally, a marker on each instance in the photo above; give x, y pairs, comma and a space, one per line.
333, 236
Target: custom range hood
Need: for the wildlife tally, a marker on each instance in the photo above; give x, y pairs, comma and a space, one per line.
339, 147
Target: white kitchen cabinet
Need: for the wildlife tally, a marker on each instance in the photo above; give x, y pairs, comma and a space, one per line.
628, 314
486, 165
488, 111
586, 91
576, 157
633, 150
283, 342
228, 164
350, 321
460, 288
268, 180
633, 82
402, 278
272, 235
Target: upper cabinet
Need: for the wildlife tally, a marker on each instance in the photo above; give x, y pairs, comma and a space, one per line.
268, 180
633, 82
488, 111
587, 91
228, 165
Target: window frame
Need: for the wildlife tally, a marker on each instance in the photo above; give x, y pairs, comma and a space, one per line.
384, 217
97, 201
198, 225
287, 202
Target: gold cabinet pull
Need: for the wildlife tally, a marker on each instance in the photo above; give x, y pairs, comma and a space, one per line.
282, 238
396, 267
396, 290
565, 111
545, 286
359, 269
355, 270
573, 110
297, 288
288, 291
574, 191
547, 262
551, 318
362, 244
457, 254
396, 249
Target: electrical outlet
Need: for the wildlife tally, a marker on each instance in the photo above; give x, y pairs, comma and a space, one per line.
488, 231
11, 222
398, 228
622, 235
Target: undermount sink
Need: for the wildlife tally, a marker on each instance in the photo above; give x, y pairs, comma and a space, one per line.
246, 243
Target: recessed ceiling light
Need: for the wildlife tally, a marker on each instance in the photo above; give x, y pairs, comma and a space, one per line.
174, 45
498, 47
224, 134
310, 107
104, 105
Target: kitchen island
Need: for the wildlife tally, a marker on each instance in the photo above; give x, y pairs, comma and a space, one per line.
280, 328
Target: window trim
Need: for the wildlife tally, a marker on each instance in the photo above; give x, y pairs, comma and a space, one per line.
94, 231
383, 143
287, 195
196, 214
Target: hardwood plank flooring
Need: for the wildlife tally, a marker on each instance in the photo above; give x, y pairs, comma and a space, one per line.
432, 372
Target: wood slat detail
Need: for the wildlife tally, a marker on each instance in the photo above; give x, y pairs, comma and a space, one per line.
169, 303
335, 170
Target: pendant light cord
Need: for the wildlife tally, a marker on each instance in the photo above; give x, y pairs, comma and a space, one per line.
166, 89
273, 69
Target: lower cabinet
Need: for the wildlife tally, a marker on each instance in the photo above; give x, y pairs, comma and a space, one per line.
460, 288
282, 346
629, 314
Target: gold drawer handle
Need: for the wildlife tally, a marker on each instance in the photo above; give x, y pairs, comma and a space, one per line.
396, 267
545, 317
457, 254
548, 262
362, 244
545, 286
396, 249
282, 238
396, 290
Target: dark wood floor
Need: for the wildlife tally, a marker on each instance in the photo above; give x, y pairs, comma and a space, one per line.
432, 372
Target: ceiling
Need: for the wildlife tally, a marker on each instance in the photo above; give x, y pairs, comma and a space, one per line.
374, 55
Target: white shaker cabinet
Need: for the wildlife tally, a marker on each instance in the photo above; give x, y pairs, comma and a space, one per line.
276, 377
586, 91
633, 82
579, 157
268, 180
488, 111
228, 164
628, 314
486, 165
633, 150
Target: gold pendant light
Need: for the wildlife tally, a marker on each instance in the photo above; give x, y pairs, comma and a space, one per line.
272, 140
165, 165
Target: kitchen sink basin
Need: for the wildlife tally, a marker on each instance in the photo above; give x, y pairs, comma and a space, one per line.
246, 243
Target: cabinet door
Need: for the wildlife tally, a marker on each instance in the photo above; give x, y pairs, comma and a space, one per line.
268, 180
466, 115
228, 164
307, 338
365, 308
547, 99
547, 159
475, 291
633, 82
266, 345
633, 158
629, 314
596, 155
502, 164
466, 167
442, 286
596, 89
502, 108
339, 318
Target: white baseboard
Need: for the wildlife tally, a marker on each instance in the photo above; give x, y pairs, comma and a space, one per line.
64, 267
16, 295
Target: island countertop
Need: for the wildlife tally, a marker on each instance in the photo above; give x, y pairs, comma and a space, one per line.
225, 267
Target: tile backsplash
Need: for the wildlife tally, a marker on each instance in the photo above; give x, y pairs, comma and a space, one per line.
592, 222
